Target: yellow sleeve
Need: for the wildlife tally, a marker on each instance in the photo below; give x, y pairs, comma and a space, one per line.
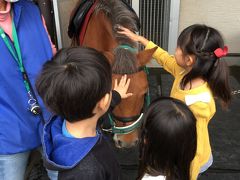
164, 59
202, 114
195, 165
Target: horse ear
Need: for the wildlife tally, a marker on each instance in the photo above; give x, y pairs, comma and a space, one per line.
145, 56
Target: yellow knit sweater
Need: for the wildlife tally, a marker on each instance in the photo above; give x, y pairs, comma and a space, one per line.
203, 110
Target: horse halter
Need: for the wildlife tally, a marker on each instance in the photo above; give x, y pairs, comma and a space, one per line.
137, 118
130, 128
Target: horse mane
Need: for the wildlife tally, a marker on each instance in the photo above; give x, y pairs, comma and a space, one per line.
119, 14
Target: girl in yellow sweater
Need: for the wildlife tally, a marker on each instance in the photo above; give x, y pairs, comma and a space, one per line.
200, 76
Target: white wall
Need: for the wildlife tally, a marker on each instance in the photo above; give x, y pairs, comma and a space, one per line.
223, 15
65, 8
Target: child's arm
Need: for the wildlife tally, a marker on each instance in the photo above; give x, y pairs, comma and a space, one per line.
163, 58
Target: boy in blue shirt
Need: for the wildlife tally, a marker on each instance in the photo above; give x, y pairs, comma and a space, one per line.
76, 86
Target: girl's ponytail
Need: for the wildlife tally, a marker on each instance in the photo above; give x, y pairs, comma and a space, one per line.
218, 80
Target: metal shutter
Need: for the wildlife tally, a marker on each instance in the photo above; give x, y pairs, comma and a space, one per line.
154, 17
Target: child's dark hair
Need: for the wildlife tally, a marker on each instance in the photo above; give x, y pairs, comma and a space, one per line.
74, 81
168, 139
201, 41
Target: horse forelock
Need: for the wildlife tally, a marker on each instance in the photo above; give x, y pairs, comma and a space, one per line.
119, 14
125, 62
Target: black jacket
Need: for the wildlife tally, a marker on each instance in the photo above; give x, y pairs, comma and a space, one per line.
99, 164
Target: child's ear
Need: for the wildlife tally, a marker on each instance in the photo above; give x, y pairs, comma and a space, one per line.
190, 60
105, 101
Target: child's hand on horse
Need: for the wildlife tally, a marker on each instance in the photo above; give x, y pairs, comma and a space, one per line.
122, 87
131, 35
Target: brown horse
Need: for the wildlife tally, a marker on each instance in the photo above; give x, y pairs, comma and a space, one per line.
101, 33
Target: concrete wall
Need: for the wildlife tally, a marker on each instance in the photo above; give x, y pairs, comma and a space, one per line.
223, 15
65, 9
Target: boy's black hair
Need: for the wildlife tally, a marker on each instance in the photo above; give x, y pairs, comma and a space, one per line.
74, 81
201, 41
168, 139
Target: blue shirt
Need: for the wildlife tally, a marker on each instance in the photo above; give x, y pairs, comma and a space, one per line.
65, 131
20, 130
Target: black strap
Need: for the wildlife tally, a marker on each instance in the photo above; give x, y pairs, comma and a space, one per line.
78, 17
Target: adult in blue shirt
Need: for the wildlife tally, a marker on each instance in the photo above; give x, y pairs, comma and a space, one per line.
25, 47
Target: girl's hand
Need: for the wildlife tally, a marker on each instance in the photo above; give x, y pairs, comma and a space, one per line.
131, 35
122, 87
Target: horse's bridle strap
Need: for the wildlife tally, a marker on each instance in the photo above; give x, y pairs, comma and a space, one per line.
125, 119
136, 124
127, 47
127, 129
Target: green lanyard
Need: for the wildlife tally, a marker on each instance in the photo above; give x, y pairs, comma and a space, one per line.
18, 56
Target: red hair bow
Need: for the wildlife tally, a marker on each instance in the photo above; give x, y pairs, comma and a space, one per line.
219, 52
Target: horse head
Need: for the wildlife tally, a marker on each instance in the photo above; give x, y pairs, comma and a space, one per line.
126, 117
99, 30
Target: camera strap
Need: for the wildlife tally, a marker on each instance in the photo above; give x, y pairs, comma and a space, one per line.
16, 53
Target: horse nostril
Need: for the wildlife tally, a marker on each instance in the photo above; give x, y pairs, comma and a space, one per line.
119, 143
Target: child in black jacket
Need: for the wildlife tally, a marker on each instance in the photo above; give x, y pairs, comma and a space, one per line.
76, 86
